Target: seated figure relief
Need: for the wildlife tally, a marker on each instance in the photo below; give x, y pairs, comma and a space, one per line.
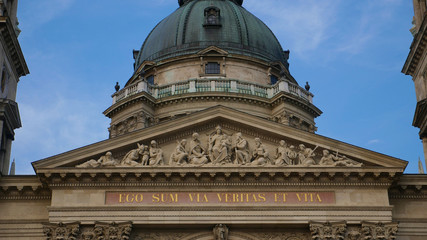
179, 156
197, 152
104, 161
284, 155
135, 157
329, 159
241, 149
219, 148
306, 155
259, 154
221, 151
156, 154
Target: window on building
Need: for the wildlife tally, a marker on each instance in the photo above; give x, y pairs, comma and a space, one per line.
4, 79
212, 68
273, 79
212, 17
150, 79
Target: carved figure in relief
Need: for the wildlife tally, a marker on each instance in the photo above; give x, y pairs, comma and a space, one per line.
197, 152
220, 232
180, 155
242, 150
133, 157
259, 154
104, 161
219, 147
282, 154
156, 154
328, 159
305, 156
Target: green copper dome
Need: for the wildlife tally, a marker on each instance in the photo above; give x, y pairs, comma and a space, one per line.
198, 24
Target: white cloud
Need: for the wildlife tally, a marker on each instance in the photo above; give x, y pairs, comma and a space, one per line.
304, 24
373, 141
42, 12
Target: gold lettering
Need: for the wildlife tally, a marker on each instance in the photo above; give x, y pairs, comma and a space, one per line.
235, 197
121, 198
205, 198
226, 196
174, 197
284, 197
191, 195
311, 197
275, 197
156, 198
305, 196
140, 199
262, 197
219, 197
318, 197
254, 198
131, 199
299, 197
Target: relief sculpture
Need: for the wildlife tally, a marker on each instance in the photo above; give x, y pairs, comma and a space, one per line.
222, 149
219, 147
180, 155
197, 152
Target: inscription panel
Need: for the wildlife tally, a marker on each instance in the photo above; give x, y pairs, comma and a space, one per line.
219, 198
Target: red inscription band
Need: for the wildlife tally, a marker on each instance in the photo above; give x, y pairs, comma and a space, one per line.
219, 198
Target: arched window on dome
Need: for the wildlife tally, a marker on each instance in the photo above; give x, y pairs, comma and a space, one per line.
212, 17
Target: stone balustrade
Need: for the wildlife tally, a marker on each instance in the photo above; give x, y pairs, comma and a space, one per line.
213, 85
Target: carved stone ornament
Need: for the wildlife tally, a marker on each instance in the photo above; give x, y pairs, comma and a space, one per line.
220, 232
109, 231
379, 231
224, 149
61, 231
328, 230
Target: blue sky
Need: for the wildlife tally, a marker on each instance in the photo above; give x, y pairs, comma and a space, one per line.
350, 51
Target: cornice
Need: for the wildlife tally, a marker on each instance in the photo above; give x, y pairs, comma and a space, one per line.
23, 188
245, 177
13, 48
410, 187
417, 50
212, 96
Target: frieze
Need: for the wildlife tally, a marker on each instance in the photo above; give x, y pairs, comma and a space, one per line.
226, 150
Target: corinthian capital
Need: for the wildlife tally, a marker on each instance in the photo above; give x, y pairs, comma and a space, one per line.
328, 230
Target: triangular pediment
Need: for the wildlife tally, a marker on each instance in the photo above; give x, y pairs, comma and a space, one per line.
169, 134
213, 50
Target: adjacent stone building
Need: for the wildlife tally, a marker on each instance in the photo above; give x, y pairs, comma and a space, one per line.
212, 138
13, 67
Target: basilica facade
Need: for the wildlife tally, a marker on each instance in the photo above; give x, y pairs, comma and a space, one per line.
213, 139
